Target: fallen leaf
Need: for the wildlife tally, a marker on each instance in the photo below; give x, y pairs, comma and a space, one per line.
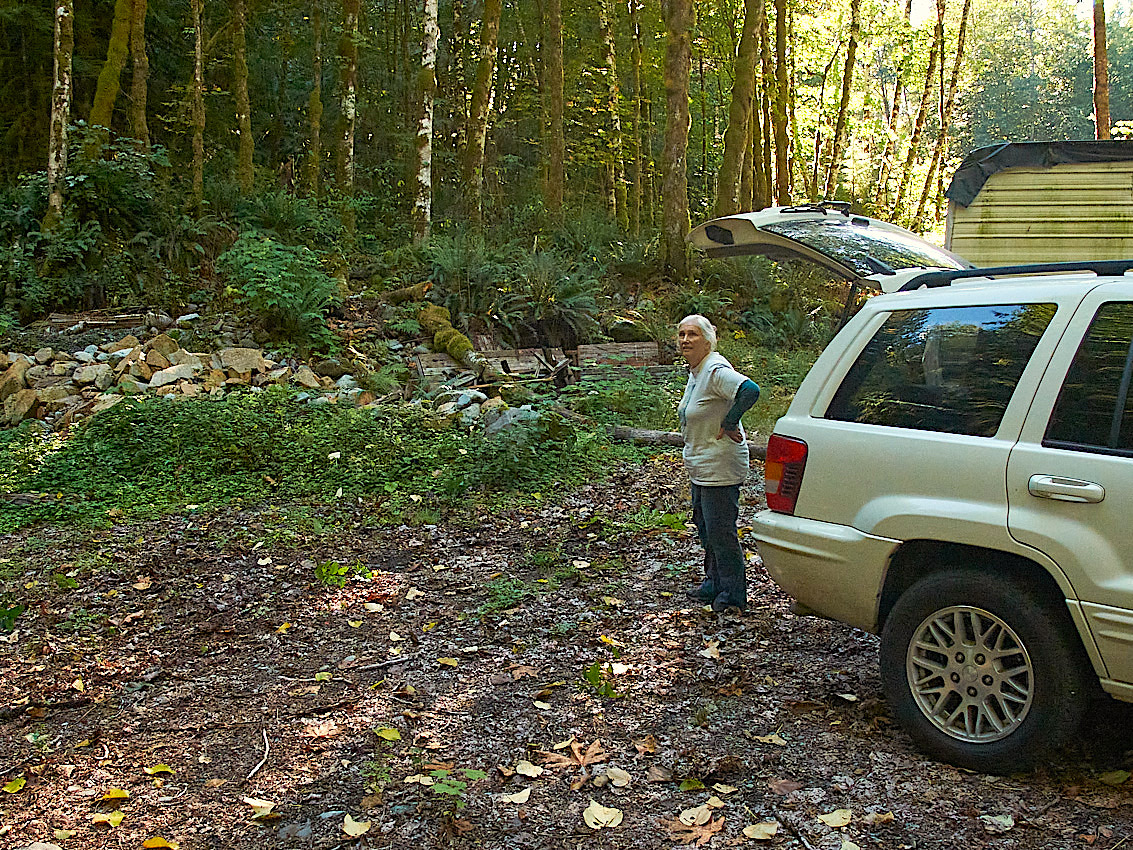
78, 685
112, 819
691, 784
618, 777
701, 833
394, 636
159, 768
373, 607
613, 601
657, 773
260, 808
773, 738
354, 828
413, 593
783, 786
878, 817
847, 844
64, 834
388, 734
526, 768
519, 797
158, 841
322, 676
762, 831
143, 583
721, 788
283, 629
645, 745
542, 706
997, 823
420, 779
354, 624
16, 784
215, 783
714, 802
447, 662
696, 816
116, 794
712, 650
836, 818
322, 729
598, 816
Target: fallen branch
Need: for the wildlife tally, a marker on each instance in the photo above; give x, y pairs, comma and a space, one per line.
8, 712
263, 761
646, 437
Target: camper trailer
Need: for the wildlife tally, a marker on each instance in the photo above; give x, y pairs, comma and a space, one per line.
1035, 202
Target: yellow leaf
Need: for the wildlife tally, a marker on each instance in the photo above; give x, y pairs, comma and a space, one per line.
526, 768
85, 742
354, 623
836, 818
598, 816
428, 627
849, 845
389, 734
878, 817
354, 828
712, 650
696, 816
394, 636
159, 768
16, 784
519, 798
260, 808
78, 685
447, 662
773, 738
613, 601
64, 834
420, 779
322, 676
762, 831
116, 794
618, 777
158, 841
542, 706
283, 629
112, 819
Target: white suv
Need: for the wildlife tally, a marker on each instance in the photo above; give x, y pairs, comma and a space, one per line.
955, 473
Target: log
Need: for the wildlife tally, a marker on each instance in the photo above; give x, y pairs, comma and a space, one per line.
646, 437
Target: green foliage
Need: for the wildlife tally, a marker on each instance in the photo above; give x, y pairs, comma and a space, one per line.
503, 593
599, 680
335, 575
284, 286
626, 397
8, 616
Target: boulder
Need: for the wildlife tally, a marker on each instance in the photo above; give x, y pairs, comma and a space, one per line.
4, 361
99, 374
12, 380
84, 356
140, 369
19, 406
509, 419
159, 320
63, 367
157, 360
123, 344
330, 368
56, 393
131, 385
181, 356
163, 343
44, 355
187, 320
242, 360
164, 377
306, 378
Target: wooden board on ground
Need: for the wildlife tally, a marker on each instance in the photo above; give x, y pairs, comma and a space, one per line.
99, 319
523, 361
619, 354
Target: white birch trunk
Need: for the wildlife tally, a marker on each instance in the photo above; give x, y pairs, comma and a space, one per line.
60, 111
423, 202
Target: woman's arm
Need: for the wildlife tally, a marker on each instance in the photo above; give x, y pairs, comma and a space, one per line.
746, 396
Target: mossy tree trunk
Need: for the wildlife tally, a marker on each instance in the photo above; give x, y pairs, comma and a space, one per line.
635, 199
348, 93
109, 79
60, 112
737, 136
779, 107
839, 142
245, 174
315, 105
679, 18
1101, 73
422, 214
553, 92
139, 84
472, 169
615, 165
197, 96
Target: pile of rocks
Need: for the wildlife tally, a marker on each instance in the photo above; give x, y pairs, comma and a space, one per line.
60, 388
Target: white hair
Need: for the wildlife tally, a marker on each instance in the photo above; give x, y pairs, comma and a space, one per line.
706, 327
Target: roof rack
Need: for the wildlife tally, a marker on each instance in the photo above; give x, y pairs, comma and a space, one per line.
931, 280
820, 207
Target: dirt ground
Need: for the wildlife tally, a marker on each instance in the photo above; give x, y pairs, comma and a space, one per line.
495, 674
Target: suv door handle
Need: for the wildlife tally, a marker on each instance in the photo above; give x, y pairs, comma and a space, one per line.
1064, 489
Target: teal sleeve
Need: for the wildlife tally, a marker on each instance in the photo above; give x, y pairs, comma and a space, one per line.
746, 396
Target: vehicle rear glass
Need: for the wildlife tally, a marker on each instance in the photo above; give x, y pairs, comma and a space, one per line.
1094, 410
865, 249
950, 369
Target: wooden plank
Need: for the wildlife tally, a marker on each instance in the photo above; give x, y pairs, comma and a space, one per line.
619, 354
525, 361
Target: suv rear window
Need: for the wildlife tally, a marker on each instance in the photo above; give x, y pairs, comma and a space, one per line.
949, 369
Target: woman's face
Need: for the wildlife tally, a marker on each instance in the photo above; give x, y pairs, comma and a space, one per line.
694, 345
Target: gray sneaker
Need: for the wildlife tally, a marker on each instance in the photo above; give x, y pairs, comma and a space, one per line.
705, 591
723, 603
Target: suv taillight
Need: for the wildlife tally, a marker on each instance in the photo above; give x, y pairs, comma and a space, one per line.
783, 472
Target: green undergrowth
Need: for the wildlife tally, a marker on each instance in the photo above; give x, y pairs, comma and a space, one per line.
143, 458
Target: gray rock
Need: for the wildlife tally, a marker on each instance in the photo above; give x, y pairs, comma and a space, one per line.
171, 375
447, 408
44, 355
159, 320
242, 359
92, 350
470, 397
84, 356
182, 357
330, 368
187, 319
98, 374
346, 382
510, 418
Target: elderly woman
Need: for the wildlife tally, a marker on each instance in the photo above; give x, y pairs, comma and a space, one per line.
716, 458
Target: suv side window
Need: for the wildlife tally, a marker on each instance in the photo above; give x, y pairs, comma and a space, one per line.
1094, 411
948, 369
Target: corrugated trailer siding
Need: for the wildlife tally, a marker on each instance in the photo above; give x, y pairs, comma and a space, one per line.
1033, 215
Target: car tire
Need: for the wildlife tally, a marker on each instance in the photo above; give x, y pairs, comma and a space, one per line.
983, 671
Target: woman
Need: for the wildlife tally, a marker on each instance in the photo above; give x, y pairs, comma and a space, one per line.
716, 458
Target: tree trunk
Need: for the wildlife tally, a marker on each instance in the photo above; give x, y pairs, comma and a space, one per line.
761, 189
819, 141
553, 91
60, 112
1101, 73
918, 127
348, 81
844, 104
679, 18
617, 165
139, 127
472, 169
198, 108
245, 176
423, 203
315, 106
635, 54
779, 107
106, 92
736, 137
946, 113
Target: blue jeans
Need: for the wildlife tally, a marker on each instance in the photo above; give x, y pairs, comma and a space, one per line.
715, 511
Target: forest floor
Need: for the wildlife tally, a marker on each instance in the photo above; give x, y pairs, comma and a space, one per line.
200, 681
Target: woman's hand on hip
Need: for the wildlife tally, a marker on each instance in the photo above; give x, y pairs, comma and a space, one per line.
734, 435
